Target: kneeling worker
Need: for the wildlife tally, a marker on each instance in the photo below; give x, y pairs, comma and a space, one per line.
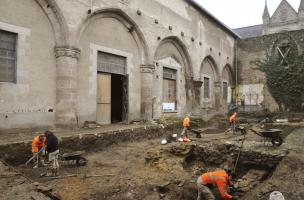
38, 149
218, 178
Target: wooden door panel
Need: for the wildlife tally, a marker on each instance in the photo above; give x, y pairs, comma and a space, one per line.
104, 88
104, 113
103, 109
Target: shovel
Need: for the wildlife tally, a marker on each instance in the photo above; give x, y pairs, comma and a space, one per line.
34, 156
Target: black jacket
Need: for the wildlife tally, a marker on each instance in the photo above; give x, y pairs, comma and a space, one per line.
51, 143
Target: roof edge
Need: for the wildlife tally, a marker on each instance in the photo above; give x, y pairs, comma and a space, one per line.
203, 10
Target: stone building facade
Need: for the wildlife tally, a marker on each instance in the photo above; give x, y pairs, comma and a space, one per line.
65, 62
279, 35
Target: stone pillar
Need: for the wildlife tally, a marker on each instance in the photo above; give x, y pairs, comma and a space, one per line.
218, 95
66, 86
147, 72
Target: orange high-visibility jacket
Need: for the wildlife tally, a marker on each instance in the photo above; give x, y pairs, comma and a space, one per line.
37, 145
186, 122
232, 118
220, 179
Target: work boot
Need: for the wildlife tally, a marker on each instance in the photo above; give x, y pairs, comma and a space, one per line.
43, 163
56, 172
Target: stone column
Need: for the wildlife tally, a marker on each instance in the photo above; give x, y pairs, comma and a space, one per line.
147, 72
218, 95
66, 86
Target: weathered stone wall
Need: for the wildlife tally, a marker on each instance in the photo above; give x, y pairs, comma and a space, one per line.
253, 81
31, 100
56, 72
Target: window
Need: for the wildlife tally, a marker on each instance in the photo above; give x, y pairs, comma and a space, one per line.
225, 91
206, 88
284, 51
169, 89
8, 57
111, 63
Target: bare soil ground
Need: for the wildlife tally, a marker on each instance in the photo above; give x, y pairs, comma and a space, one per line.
148, 170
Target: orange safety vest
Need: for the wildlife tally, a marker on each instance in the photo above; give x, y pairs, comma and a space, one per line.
220, 179
186, 122
37, 144
232, 119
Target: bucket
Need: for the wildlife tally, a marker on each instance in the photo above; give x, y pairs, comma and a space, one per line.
276, 195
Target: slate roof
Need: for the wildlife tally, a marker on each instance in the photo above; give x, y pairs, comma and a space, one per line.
250, 31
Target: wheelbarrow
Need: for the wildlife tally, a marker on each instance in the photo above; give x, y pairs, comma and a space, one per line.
271, 134
73, 158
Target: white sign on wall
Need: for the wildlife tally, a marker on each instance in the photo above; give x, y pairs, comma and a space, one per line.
168, 106
252, 93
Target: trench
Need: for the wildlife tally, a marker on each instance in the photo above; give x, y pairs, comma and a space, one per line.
132, 164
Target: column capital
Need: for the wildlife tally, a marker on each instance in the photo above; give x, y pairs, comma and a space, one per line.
149, 68
67, 51
218, 84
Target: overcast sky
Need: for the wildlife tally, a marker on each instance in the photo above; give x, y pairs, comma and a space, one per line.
240, 13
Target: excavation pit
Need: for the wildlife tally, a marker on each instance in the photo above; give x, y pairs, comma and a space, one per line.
145, 169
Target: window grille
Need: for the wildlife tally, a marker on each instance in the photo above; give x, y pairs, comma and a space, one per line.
169, 88
225, 91
111, 63
206, 88
169, 73
8, 56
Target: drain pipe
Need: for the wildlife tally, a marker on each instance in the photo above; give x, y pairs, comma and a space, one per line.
236, 70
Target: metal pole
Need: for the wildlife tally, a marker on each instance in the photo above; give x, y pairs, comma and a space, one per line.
237, 159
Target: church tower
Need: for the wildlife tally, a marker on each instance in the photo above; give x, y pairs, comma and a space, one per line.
266, 16
301, 10
266, 19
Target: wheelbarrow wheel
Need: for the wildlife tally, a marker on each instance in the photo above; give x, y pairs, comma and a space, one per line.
277, 141
81, 161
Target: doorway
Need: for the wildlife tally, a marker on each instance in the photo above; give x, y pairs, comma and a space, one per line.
112, 87
116, 98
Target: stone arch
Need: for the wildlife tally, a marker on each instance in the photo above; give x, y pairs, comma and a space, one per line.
182, 49
227, 70
209, 59
228, 84
285, 38
127, 21
209, 75
57, 20
172, 54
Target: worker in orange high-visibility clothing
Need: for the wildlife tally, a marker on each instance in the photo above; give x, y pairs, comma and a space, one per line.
232, 121
38, 146
220, 179
186, 124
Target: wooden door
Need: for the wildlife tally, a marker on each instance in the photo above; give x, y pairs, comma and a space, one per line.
103, 98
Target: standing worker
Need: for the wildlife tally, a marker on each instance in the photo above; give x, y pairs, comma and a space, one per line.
38, 150
52, 149
220, 179
186, 124
232, 121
